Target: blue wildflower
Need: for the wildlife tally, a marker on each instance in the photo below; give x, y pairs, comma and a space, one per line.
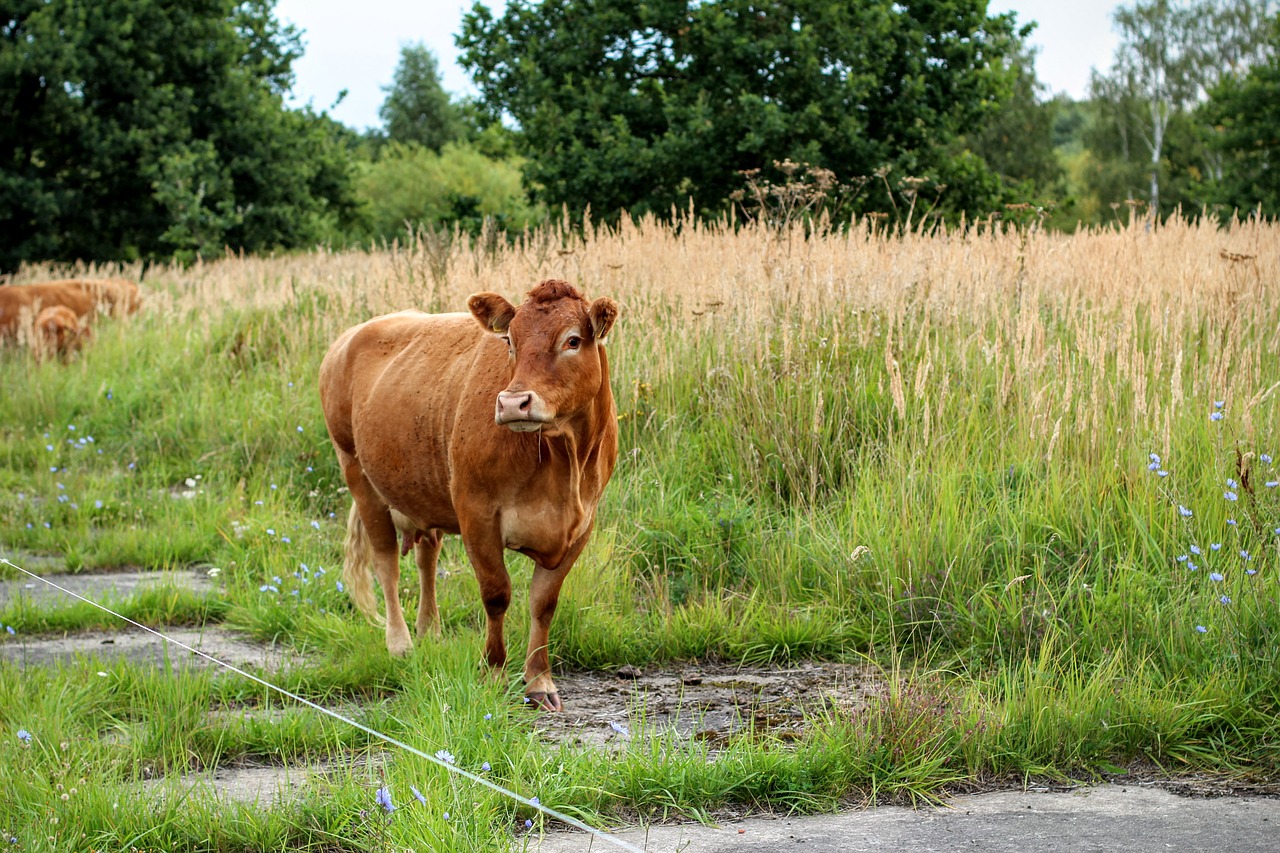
384, 799
1216, 416
535, 801
619, 728
1271, 484
1202, 629
1183, 511
1162, 473
485, 768
1218, 404
446, 815
1232, 484
9, 629
1215, 577
1214, 546
1245, 554
445, 755
1266, 458
316, 525
1231, 496
1182, 558
490, 716
1250, 572
299, 428
1192, 566
341, 588
24, 735
417, 795
1225, 599
1195, 549
1231, 521
528, 824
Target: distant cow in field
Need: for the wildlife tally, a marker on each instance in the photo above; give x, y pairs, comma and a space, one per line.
499, 425
58, 332
86, 297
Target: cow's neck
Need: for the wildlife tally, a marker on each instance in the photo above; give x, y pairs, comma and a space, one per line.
583, 436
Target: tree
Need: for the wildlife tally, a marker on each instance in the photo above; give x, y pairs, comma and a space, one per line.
417, 108
1245, 113
648, 105
142, 128
1169, 56
1016, 137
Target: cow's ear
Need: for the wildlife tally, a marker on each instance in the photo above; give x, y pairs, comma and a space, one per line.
602, 313
492, 311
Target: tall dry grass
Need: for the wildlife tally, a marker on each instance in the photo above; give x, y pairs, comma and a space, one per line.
1130, 320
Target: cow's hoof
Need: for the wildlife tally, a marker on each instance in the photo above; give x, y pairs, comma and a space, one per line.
400, 647
545, 701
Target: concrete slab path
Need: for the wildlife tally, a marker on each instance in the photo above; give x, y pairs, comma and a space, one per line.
1128, 818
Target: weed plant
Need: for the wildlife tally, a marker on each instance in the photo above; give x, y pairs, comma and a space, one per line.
1025, 476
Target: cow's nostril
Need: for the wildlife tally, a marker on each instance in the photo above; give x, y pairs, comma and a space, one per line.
525, 403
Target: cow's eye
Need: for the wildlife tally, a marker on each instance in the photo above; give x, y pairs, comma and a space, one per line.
573, 342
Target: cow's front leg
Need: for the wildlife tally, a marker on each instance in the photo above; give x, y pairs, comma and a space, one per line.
544, 594
485, 550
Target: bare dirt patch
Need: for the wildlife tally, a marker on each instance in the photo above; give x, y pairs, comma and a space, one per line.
275, 784
713, 703
147, 649
100, 586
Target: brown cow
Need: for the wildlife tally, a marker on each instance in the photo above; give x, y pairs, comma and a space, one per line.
504, 432
83, 296
58, 331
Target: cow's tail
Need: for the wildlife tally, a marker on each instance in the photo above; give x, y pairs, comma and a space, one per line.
357, 568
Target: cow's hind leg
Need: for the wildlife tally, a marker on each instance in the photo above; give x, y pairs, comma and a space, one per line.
426, 551
380, 533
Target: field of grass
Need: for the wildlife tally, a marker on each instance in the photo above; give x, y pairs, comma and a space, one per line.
1027, 475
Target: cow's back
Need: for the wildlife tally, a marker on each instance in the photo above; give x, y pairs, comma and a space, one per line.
393, 390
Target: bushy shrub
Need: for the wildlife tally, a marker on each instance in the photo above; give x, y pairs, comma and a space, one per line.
411, 185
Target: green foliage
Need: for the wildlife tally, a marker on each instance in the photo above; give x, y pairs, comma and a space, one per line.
647, 106
417, 108
411, 186
1245, 115
1015, 137
141, 129
1146, 139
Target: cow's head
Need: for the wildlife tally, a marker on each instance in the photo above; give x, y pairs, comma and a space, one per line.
554, 341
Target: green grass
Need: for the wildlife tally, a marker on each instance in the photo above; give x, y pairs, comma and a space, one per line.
1022, 595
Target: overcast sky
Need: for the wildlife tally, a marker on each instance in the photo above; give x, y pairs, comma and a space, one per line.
355, 46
